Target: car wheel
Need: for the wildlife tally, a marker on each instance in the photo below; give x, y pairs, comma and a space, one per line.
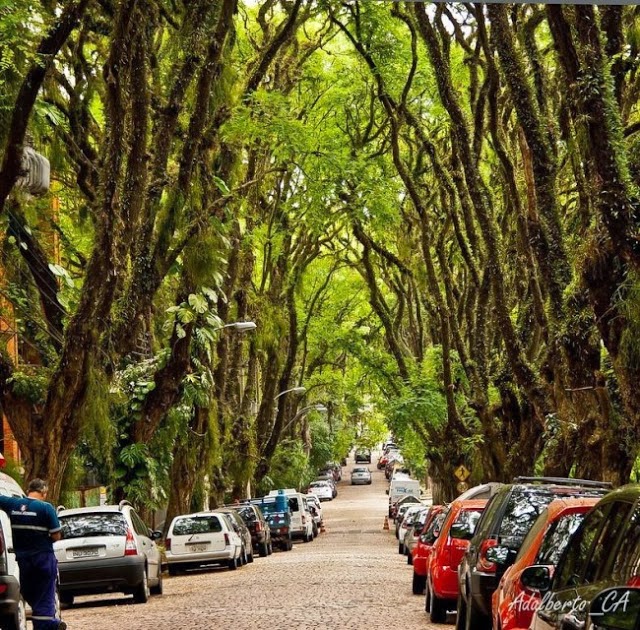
16, 621
173, 571
409, 559
400, 548
232, 564
437, 608
461, 613
289, 545
419, 582
158, 588
263, 550
427, 597
250, 557
66, 599
141, 594
270, 549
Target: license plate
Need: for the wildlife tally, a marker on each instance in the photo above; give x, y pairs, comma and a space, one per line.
196, 548
85, 553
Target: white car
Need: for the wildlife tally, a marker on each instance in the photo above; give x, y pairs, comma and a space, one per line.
360, 476
322, 489
315, 502
200, 539
407, 521
107, 549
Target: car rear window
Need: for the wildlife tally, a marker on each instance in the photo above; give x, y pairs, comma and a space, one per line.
464, 526
246, 513
188, 525
96, 524
359, 470
522, 511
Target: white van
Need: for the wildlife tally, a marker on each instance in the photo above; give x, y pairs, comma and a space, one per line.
402, 486
12, 607
301, 520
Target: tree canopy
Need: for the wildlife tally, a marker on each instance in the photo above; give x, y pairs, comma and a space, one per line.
430, 212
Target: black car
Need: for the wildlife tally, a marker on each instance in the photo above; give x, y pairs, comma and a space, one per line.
604, 552
505, 522
363, 455
257, 525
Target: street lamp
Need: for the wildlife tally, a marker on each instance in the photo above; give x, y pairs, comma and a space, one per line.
293, 390
240, 326
305, 410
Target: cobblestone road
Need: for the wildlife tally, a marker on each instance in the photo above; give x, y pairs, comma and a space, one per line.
350, 578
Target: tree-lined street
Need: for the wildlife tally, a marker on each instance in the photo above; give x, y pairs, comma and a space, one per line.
350, 577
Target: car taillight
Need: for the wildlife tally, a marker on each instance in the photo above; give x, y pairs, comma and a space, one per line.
227, 540
130, 547
258, 526
483, 564
285, 530
167, 544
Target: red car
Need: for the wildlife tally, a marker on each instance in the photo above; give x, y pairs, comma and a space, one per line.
513, 605
421, 552
442, 570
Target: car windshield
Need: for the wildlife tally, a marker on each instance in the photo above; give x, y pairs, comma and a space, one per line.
188, 525
359, 470
320, 484
97, 524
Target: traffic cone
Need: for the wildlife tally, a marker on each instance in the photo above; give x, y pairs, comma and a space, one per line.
386, 522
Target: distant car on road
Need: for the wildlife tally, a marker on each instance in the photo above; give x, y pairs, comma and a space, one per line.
322, 489
363, 455
360, 476
107, 549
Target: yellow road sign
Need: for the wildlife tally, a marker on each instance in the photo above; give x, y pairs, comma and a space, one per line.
462, 473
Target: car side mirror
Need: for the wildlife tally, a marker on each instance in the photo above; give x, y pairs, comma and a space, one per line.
155, 535
536, 577
616, 608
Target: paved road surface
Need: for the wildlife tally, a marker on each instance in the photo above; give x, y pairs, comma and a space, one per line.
349, 578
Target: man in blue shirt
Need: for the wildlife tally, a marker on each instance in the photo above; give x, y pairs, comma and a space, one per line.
35, 526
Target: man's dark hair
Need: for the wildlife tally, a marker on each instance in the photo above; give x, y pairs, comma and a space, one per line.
38, 485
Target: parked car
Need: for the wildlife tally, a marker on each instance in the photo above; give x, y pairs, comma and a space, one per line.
603, 552
13, 614
413, 532
337, 471
278, 515
409, 518
301, 520
513, 605
321, 489
506, 520
314, 501
442, 570
396, 509
202, 539
360, 476
616, 608
106, 549
422, 551
400, 486
258, 527
363, 456
242, 530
